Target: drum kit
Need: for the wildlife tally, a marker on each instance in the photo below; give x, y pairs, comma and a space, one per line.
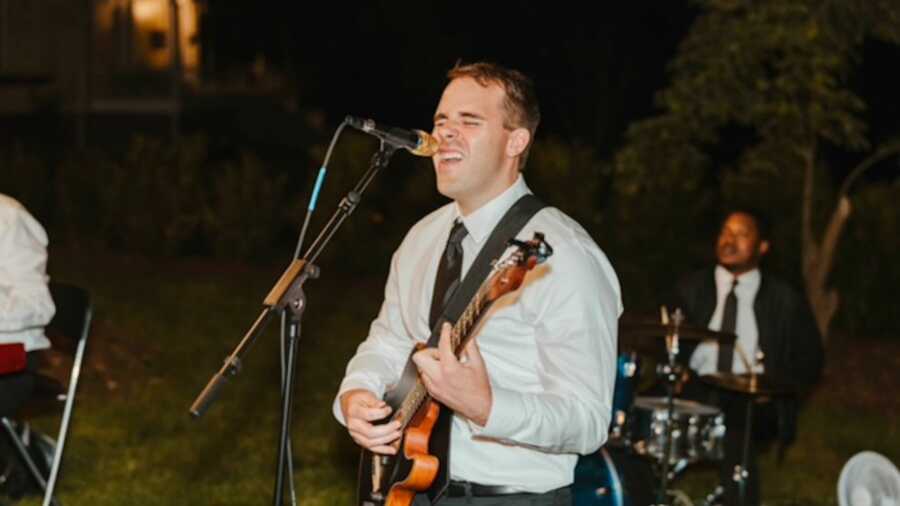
653, 440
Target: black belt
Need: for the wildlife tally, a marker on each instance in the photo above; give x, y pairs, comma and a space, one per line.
467, 488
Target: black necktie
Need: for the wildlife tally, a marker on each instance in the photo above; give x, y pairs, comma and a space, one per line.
445, 284
448, 274
729, 322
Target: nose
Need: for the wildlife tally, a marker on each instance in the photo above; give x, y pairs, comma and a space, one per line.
445, 132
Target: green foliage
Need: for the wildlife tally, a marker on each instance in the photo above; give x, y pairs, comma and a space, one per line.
24, 176
246, 209
169, 199
156, 194
570, 177
757, 89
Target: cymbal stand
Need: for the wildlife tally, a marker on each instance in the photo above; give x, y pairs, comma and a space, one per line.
742, 471
670, 372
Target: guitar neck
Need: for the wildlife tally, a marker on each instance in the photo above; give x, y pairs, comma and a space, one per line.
459, 336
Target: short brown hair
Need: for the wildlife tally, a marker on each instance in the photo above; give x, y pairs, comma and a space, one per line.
520, 102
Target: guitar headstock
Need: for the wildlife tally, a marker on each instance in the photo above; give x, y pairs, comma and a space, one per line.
510, 272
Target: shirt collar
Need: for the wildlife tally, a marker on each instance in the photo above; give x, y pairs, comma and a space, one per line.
746, 281
482, 221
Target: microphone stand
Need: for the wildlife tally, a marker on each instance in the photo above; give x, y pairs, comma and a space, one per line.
287, 296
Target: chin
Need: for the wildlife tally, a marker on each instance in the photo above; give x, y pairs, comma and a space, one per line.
737, 267
446, 189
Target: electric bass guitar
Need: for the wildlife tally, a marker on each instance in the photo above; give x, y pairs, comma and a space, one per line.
394, 480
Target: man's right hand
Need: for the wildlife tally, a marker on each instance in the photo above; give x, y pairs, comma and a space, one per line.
360, 408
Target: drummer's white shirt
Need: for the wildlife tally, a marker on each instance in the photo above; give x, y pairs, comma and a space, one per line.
549, 347
706, 357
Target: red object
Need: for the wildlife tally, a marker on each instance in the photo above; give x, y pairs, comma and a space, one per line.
12, 358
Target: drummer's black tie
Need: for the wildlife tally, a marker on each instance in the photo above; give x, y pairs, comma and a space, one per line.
449, 269
729, 323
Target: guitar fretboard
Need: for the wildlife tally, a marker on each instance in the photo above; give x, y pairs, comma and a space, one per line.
458, 336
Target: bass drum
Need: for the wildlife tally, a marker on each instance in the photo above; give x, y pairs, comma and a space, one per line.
613, 477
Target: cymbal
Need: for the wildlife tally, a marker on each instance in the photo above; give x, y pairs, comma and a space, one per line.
647, 337
639, 329
758, 384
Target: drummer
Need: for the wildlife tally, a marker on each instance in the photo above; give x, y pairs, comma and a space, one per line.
776, 336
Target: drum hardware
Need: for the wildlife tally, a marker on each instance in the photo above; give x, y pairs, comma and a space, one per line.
752, 386
643, 335
697, 434
714, 497
627, 367
671, 373
651, 439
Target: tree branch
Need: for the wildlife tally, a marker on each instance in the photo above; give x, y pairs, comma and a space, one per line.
830, 239
885, 151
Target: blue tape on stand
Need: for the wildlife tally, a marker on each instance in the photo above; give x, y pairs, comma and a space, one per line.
315, 195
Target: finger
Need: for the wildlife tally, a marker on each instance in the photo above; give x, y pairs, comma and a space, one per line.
445, 347
426, 360
367, 413
429, 384
363, 429
429, 354
373, 414
370, 441
473, 354
374, 402
383, 450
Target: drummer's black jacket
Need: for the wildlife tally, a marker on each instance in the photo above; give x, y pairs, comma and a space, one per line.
788, 335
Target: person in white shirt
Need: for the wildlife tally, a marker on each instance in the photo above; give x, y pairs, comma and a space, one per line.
533, 389
25, 303
776, 336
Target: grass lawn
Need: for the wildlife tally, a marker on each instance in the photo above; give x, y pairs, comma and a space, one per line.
162, 329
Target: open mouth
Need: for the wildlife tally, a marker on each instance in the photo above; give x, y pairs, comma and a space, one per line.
449, 156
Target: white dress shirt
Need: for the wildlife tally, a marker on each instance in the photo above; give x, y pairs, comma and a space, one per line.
25, 302
549, 347
705, 358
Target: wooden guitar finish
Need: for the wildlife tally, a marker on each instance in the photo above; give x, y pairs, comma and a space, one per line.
394, 480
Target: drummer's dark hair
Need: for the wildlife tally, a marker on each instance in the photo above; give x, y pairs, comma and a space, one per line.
763, 224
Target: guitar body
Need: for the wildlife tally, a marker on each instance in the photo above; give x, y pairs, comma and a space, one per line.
386, 480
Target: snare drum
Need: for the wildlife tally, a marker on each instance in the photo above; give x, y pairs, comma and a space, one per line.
698, 430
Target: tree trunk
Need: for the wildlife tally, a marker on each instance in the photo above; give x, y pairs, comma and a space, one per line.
818, 257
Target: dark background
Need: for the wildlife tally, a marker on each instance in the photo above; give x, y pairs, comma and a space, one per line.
277, 78
596, 66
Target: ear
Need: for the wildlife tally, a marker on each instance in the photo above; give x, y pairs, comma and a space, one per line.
763, 247
517, 142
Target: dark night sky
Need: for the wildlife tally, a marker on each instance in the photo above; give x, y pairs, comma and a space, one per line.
596, 67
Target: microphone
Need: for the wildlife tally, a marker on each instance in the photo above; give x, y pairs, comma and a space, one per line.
416, 142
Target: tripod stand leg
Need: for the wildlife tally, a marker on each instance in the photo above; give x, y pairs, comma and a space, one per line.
284, 447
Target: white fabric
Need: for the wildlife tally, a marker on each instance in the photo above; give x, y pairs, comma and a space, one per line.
705, 358
550, 347
25, 302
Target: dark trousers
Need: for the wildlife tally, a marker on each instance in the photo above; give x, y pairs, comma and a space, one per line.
558, 497
15, 390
